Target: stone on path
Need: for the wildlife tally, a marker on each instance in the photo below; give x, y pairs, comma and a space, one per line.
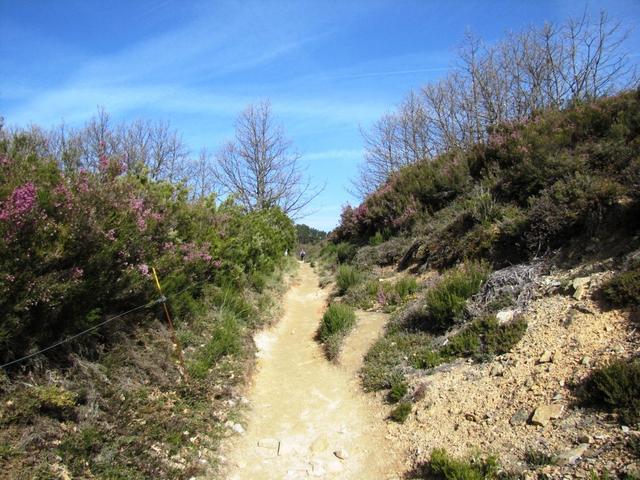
546, 357
570, 457
545, 413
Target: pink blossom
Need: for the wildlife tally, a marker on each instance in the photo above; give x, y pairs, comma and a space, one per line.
20, 203
83, 181
217, 263
76, 273
382, 298
143, 268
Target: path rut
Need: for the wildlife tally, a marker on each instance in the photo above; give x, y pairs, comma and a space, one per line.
304, 409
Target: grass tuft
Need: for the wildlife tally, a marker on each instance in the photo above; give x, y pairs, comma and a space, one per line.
401, 412
337, 321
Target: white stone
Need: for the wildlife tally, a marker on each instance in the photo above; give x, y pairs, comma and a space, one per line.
505, 316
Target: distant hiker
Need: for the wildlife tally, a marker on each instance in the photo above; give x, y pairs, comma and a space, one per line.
286, 252
302, 254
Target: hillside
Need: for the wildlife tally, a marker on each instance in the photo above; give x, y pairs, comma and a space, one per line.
510, 273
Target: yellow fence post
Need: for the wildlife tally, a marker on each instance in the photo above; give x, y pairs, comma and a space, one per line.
174, 339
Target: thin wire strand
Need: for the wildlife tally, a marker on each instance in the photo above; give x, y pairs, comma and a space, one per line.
94, 327
84, 332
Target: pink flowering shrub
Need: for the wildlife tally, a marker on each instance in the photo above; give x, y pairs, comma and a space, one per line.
532, 185
77, 246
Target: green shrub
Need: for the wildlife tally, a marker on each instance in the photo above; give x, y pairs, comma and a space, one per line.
347, 277
226, 339
380, 368
67, 260
569, 206
405, 286
345, 252
538, 458
401, 412
624, 289
49, 400
442, 466
484, 338
427, 359
337, 321
398, 390
230, 299
445, 302
615, 388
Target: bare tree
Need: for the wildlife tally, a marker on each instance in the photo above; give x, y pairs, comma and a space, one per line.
538, 68
259, 167
201, 175
395, 140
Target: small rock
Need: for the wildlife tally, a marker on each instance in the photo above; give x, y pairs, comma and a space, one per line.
497, 370
519, 418
625, 429
505, 316
579, 292
580, 282
585, 439
239, 429
586, 361
341, 453
546, 357
470, 417
570, 457
545, 413
557, 397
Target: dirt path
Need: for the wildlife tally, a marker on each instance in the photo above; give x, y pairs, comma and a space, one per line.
303, 408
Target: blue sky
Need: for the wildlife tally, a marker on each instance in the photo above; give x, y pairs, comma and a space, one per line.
329, 68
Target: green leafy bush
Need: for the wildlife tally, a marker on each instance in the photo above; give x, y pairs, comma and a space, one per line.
336, 322
68, 260
380, 369
624, 289
482, 339
538, 458
615, 388
345, 252
442, 466
347, 277
445, 302
226, 339
399, 389
401, 412
567, 207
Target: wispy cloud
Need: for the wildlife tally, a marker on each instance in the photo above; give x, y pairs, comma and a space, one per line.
343, 154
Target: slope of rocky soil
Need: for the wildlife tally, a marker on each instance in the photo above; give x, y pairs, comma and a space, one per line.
521, 405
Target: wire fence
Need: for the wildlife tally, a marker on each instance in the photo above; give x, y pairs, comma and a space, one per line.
161, 300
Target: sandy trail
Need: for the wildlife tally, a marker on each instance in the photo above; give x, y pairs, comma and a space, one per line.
303, 408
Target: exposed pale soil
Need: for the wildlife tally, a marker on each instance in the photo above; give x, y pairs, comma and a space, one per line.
469, 407
303, 409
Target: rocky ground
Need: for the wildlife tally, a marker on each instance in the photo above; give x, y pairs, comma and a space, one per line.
522, 402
